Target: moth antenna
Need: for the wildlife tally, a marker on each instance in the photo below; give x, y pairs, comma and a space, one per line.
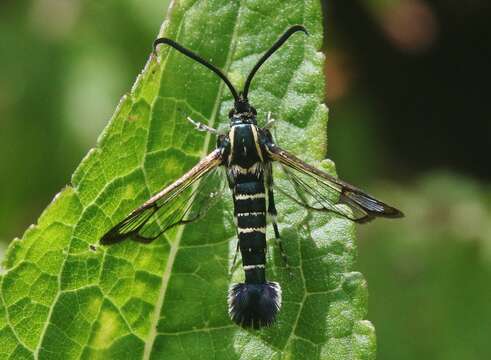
197, 58
270, 52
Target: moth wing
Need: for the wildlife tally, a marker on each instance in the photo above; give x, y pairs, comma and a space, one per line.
181, 202
319, 191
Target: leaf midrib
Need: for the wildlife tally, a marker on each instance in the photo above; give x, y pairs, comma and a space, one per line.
176, 243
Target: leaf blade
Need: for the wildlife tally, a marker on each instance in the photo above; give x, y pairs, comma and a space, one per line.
168, 298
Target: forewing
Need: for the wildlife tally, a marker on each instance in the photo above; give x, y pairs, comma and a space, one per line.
319, 191
181, 202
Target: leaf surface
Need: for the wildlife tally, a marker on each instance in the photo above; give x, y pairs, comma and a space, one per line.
64, 296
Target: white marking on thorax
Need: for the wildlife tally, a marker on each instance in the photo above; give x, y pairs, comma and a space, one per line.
255, 169
256, 142
231, 136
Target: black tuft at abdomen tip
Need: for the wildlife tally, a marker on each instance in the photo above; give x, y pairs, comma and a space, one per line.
254, 305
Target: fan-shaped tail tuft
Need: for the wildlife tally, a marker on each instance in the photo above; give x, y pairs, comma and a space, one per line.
254, 305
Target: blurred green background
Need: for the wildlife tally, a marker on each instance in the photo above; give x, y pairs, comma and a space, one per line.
407, 90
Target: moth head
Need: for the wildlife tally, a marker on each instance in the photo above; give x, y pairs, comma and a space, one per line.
242, 112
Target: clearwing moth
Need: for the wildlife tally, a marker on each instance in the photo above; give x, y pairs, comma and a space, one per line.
247, 152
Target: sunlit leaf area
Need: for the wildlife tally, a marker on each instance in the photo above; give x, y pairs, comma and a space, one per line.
91, 125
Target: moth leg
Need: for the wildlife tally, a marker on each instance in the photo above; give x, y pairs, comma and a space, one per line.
201, 127
234, 263
184, 221
144, 239
201, 214
272, 213
304, 205
148, 239
269, 121
307, 206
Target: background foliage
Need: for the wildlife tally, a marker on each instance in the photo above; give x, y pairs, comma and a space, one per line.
407, 84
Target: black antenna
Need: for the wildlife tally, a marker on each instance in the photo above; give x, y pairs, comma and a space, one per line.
270, 52
199, 59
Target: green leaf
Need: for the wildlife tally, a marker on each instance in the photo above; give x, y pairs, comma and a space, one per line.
62, 298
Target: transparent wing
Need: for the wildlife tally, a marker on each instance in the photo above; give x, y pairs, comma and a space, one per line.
181, 202
319, 191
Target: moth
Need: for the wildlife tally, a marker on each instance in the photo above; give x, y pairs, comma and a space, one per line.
246, 154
